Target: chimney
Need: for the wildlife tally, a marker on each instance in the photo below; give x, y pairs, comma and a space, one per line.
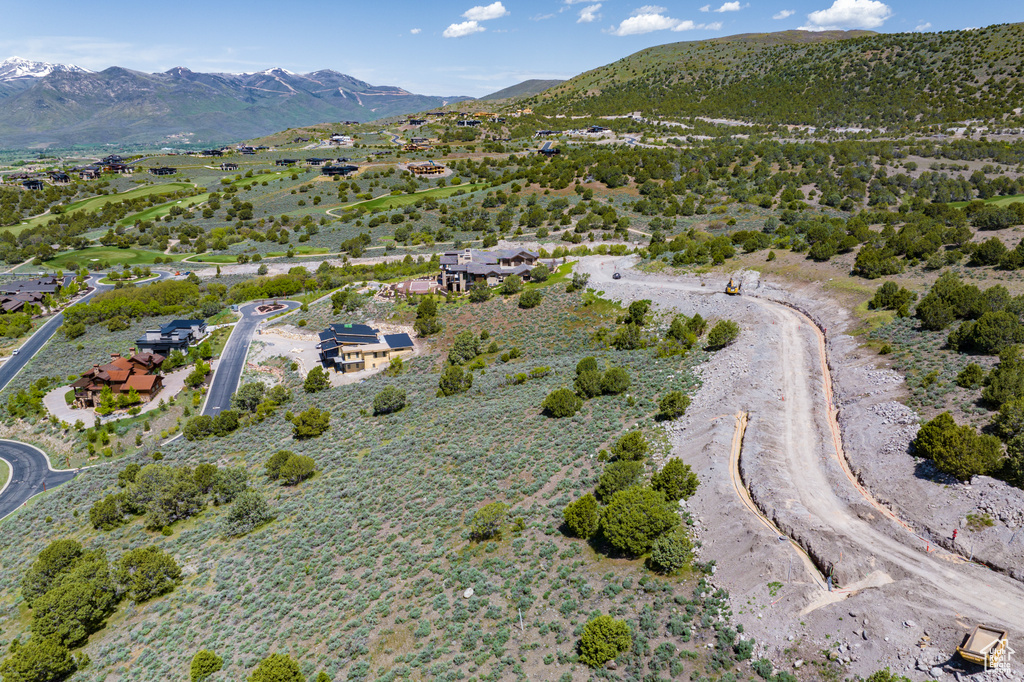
115, 356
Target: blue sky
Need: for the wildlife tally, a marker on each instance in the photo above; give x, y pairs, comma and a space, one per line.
437, 47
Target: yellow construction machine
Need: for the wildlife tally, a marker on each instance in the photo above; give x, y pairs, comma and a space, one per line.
733, 287
984, 645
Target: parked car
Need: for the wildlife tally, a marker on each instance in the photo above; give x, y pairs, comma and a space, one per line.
617, 275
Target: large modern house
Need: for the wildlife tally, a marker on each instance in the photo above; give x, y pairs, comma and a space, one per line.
120, 375
176, 335
355, 347
15, 295
461, 269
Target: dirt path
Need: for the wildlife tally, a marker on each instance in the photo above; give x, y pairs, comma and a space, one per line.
793, 465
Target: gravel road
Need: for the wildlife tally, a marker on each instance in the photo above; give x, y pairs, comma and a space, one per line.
797, 474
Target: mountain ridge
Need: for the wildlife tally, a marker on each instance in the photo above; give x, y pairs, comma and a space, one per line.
527, 88
121, 105
16, 68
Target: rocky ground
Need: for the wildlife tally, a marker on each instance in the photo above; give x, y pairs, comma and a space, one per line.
899, 601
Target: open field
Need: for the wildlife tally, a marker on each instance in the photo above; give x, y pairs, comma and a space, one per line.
388, 202
451, 455
163, 209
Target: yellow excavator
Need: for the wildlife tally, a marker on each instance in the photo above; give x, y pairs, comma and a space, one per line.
733, 287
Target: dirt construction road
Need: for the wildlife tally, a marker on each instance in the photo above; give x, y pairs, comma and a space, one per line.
774, 386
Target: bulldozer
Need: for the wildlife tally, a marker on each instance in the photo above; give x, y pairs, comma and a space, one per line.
733, 287
984, 645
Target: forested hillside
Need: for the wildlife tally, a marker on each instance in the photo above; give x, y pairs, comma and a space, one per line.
839, 79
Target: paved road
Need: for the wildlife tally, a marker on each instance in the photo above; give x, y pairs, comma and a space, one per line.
232, 359
36, 342
30, 469
813, 492
30, 474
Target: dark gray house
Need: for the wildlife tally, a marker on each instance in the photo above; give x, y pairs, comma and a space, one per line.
176, 335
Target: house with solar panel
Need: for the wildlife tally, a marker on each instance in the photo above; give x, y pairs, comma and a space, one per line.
356, 347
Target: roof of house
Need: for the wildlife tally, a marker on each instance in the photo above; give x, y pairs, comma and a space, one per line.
180, 324
148, 359
140, 382
353, 333
117, 364
118, 375
398, 341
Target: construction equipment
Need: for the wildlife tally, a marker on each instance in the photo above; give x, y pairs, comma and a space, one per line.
983, 645
733, 287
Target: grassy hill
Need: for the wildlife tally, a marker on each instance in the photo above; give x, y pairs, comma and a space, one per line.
364, 572
533, 86
828, 78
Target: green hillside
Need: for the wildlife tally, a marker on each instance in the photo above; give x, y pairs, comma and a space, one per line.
533, 86
829, 78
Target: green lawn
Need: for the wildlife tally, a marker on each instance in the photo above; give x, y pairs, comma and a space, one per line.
96, 203
5, 473
233, 258
107, 280
395, 201
997, 201
112, 254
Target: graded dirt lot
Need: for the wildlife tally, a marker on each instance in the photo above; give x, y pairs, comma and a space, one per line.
892, 588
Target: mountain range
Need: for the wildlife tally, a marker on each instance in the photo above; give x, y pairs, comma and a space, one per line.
16, 69
45, 105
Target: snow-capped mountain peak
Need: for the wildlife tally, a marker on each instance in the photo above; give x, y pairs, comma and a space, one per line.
16, 68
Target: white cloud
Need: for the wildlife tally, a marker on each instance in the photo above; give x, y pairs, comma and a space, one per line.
845, 14
464, 29
705, 8
648, 9
415, 31
495, 10
589, 13
923, 27
541, 17
653, 18
644, 23
574, 2
688, 25
732, 6
784, 14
